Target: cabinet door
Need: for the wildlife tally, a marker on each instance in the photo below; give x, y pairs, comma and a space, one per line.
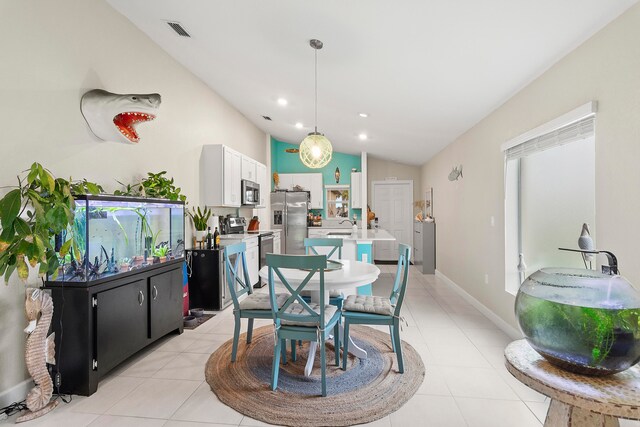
249, 169
317, 193
303, 180
232, 167
263, 180
121, 323
286, 181
165, 303
276, 246
356, 190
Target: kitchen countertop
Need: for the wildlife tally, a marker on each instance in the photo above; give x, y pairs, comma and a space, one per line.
242, 236
373, 235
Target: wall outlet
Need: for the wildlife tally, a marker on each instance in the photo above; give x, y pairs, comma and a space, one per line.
486, 279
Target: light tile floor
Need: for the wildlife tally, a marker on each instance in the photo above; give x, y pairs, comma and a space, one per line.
466, 382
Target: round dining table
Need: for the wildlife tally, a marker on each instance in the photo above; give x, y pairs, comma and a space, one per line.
350, 276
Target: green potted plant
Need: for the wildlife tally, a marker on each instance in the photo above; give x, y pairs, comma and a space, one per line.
200, 219
161, 252
31, 215
155, 185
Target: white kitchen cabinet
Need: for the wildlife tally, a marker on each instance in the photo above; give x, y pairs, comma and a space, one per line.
249, 169
356, 190
263, 181
311, 182
317, 193
220, 176
253, 259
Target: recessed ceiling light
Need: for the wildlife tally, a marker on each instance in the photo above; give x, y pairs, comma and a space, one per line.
363, 137
299, 125
363, 115
282, 101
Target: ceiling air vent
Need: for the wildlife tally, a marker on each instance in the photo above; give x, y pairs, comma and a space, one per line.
178, 28
267, 118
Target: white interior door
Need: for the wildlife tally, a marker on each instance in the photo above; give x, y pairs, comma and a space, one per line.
393, 204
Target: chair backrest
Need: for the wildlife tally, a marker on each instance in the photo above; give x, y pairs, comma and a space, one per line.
234, 260
316, 264
402, 277
310, 245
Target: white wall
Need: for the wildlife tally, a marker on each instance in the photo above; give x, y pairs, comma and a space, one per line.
603, 69
53, 52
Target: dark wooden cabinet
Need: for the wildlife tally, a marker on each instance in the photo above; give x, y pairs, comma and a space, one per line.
164, 297
100, 325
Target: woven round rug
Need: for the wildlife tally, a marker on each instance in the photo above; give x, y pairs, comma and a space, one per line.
368, 390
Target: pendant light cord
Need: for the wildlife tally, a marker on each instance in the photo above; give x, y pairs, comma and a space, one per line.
315, 51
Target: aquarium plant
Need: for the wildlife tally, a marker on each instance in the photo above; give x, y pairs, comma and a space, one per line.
581, 320
200, 218
31, 214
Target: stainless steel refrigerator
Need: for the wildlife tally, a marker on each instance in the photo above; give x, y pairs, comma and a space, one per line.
289, 212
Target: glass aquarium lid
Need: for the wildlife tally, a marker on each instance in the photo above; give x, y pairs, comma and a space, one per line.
582, 287
109, 200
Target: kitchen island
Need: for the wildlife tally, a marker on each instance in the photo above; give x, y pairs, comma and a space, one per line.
356, 246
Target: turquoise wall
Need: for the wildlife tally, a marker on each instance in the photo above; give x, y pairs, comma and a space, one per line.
283, 162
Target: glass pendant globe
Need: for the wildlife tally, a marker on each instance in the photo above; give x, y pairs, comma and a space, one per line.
315, 151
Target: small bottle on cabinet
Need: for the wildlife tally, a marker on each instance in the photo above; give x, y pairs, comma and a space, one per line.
209, 238
216, 239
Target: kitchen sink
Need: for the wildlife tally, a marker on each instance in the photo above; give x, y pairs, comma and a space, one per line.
339, 233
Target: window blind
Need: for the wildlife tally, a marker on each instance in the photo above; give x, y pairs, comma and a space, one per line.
577, 131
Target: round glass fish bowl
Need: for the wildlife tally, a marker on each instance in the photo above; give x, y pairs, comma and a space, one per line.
581, 320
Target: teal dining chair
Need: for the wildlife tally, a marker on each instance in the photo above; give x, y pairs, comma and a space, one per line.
310, 244
374, 310
254, 306
297, 319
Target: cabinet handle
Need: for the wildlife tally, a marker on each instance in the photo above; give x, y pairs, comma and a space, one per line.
140, 297
154, 293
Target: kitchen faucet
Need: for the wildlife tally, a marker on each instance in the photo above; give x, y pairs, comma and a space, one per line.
350, 222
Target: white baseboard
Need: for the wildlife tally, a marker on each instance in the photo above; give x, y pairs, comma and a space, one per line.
504, 326
16, 393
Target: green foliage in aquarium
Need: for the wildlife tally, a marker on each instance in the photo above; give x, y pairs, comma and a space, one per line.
37, 209
593, 328
200, 218
161, 250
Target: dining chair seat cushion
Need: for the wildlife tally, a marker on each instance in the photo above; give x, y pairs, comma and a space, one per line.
368, 304
261, 301
333, 293
329, 311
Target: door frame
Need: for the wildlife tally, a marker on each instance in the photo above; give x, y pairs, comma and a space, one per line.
393, 182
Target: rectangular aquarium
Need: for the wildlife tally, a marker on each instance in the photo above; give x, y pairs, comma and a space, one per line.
114, 235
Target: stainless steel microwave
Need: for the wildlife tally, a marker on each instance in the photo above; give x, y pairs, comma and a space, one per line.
250, 193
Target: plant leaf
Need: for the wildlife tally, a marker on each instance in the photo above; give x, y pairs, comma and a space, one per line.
8, 273
10, 207
21, 227
64, 250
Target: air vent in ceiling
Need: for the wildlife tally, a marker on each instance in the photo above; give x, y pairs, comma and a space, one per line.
178, 28
267, 118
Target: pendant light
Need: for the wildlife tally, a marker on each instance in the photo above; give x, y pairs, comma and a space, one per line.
315, 149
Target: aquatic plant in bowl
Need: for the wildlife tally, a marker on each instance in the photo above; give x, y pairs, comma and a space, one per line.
581, 320
161, 252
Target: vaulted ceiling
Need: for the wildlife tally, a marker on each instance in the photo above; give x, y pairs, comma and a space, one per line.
424, 71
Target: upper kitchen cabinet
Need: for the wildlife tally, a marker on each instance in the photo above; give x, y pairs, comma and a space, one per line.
220, 176
263, 181
356, 190
249, 169
311, 182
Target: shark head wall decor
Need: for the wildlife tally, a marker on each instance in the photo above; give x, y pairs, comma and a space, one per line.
113, 117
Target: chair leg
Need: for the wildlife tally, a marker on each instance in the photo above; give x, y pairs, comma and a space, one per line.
250, 330
393, 340
396, 335
275, 368
236, 337
345, 345
323, 364
336, 342
283, 350
300, 343
293, 350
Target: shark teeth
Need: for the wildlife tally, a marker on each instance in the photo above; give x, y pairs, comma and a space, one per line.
126, 121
